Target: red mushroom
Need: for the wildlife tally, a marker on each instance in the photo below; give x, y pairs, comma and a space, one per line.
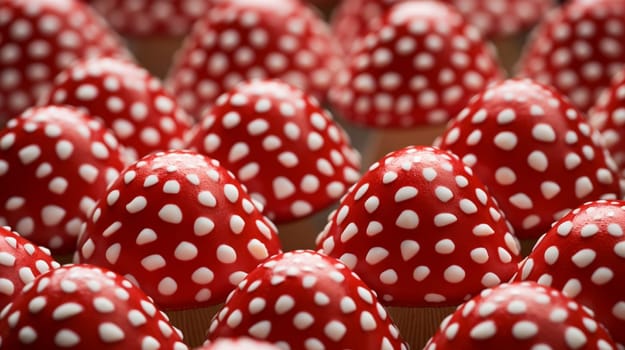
492, 18
578, 49
180, 226
534, 151
85, 307
241, 343
422, 230
583, 255
20, 262
419, 65
521, 316
306, 300
38, 39
243, 39
142, 114
608, 116
278, 141
55, 163
145, 18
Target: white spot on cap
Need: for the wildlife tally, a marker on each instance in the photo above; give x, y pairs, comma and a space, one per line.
506, 140
146, 236
136, 205
367, 322
66, 310
170, 213
203, 226
483, 330
574, 338
52, 215
66, 338
283, 187
407, 219
226, 254
29, 154
260, 330
543, 132
167, 286
110, 333
186, 251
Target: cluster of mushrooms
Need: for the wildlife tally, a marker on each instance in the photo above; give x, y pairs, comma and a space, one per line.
291, 174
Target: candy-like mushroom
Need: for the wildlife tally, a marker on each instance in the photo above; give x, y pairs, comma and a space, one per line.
521, 316
243, 39
306, 300
578, 48
153, 29
418, 65
40, 38
535, 152
134, 104
493, 18
282, 145
607, 115
149, 18
181, 226
59, 161
422, 231
239, 343
20, 262
583, 255
184, 229
85, 307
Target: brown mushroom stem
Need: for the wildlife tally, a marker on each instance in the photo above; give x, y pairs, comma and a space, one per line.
154, 53
64, 259
381, 142
509, 49
418, 324
193, 323
527, 245
301, 234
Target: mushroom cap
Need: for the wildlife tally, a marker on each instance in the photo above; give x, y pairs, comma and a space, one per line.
61, 160
240, 343
244, 39
535, 152
578, 48
521, 316
422, 230
607, 114
181, 226
20, 262
85, 307
40, 38
143, 116
285, 148
419, 65
303, 300
583, 255
152, 18
492, 18
501, 18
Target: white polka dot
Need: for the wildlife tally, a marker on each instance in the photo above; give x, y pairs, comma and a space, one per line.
167, 286
226, 254
170, 213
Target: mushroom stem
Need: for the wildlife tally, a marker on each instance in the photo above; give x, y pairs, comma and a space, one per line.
509, 49
381, 142
154, 53
527, 245
417, 324
301, 234
193, 323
